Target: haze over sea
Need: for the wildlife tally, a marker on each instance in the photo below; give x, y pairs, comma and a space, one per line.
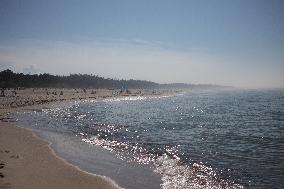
201, 139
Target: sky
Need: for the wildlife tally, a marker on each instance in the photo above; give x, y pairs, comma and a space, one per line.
234, 43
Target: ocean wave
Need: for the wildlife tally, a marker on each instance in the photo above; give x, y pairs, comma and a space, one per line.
175, 173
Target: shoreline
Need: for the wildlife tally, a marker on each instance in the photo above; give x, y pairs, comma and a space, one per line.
28, 161
24, 155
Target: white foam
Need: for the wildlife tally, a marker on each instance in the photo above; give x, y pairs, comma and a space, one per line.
174, 173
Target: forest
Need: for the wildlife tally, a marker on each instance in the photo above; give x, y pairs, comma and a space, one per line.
9, 79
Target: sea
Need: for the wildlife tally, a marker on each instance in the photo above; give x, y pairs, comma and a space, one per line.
201, 139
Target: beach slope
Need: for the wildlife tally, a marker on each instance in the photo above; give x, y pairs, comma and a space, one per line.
27, 162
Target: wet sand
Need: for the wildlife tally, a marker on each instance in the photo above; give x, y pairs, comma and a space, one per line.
28, 162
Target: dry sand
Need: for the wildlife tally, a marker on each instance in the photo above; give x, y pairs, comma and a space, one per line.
30, 97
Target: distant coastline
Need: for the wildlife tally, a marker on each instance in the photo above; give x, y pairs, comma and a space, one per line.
9, 79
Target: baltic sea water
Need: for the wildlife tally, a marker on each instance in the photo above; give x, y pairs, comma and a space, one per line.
200, 139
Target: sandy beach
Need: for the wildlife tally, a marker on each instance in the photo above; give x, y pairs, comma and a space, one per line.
27, 161
18, 98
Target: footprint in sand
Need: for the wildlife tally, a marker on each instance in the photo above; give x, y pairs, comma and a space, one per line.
1, 174
5, 151
15, 156
5, 185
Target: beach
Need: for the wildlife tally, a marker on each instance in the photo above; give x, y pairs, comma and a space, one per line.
200, 139
17, 98
28, 161
142, 95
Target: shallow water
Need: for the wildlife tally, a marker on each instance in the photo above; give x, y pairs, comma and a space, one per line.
213, 139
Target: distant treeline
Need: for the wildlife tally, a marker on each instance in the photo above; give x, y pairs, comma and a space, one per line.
9, 79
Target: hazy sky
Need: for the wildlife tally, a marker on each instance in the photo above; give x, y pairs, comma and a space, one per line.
239, 43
